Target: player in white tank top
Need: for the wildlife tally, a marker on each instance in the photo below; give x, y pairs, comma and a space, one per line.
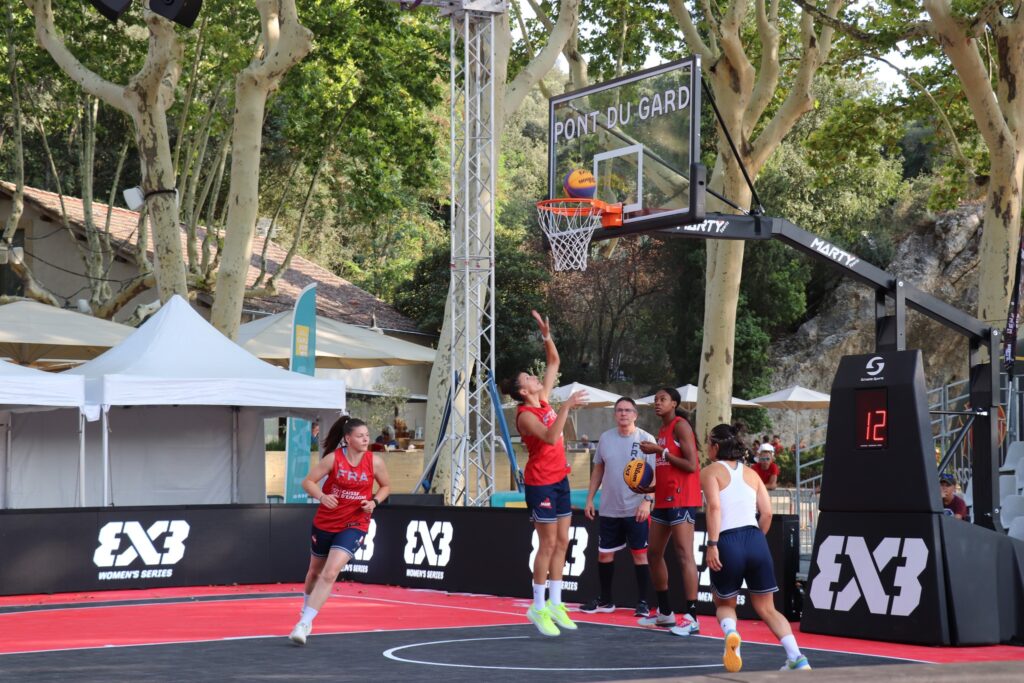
738, 499
736, 547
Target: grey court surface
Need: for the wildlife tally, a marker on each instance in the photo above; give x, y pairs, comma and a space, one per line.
595, 652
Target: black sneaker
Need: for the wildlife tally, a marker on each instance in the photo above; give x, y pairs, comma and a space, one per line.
642, 609
597, 605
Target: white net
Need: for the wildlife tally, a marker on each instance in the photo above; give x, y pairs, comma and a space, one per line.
569, 226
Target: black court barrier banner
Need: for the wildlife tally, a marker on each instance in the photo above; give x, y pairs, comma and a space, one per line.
472, 550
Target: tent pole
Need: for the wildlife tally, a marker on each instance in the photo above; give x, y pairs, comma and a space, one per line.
106, 461
81, 459
234, 455
8, 455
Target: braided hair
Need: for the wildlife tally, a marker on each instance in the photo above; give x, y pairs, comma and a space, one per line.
730, 445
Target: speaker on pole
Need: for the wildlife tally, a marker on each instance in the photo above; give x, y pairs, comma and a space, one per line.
182, 12
111, 9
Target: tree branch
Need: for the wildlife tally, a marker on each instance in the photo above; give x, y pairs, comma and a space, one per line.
916, 29
768, 75
53, 42
681, 12
963, 54
816, 49
538, 68
517, 12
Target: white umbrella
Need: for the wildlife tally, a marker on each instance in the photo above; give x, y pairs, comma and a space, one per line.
31, 331
688, 399
596, 398
794, 398
338, 344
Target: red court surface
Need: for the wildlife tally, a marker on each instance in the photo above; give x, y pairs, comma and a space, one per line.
40, 623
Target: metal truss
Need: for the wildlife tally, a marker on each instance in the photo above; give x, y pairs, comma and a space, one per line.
472, 430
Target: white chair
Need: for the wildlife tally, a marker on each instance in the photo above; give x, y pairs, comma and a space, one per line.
1017, 528
1007, 486
1011, 509
1013, 455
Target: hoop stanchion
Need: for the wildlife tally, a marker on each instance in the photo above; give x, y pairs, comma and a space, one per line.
569, 223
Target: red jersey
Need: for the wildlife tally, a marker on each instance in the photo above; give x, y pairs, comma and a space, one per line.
547, 463
351, 484
766, 474
674, 488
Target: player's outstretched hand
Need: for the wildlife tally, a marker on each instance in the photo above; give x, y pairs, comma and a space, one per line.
542, 324
650, 447
578, 398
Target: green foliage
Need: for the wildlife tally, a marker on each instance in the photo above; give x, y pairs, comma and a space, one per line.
380, 411
520, 278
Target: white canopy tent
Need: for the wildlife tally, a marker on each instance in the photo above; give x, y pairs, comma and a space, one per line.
794, 398
26, 389
596, 398
338, 345
181, 410
688, 399
31, 331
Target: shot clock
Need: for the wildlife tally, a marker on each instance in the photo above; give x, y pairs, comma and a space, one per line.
879, 452
871, 420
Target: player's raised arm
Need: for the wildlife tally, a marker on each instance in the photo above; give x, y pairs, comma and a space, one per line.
551, 354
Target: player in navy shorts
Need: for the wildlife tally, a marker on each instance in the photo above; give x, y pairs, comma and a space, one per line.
736, 546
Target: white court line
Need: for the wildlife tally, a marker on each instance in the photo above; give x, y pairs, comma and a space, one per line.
390, 654
217, 640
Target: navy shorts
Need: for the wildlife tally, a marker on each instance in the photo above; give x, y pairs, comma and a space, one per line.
673, 516
549, 502
745, 556
617, 532
348, 540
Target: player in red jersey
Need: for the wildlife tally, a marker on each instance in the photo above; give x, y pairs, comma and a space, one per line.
346, 502
677, 499
547, 482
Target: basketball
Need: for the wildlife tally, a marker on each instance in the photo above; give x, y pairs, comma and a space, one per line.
638, 474
580, 184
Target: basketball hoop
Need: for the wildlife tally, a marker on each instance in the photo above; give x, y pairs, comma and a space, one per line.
570, 222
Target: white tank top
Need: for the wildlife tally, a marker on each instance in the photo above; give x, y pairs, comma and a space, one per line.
738, 499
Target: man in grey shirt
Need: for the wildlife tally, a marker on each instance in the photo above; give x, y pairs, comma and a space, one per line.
624, 513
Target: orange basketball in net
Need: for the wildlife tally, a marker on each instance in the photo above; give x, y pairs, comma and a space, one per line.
638, 474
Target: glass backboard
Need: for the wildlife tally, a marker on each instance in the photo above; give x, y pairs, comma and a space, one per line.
640, 137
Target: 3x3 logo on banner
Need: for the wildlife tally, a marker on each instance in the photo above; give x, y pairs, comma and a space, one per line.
575, 555
868, 568
142, 543
430, 544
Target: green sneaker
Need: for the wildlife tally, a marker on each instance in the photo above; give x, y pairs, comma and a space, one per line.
541, 618
560, 615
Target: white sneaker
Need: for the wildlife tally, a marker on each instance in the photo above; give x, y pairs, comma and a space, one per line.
658, 619
688, 626
300, 632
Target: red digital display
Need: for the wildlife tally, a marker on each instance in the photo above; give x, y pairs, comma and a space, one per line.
872, 418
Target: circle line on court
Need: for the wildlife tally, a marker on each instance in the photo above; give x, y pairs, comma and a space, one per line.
390, 654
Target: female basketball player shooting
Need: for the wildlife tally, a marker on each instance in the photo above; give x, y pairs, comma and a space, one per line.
547, 482
736, 546
346, 502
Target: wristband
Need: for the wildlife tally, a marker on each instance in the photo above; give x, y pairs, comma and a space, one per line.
648, 499
712, 544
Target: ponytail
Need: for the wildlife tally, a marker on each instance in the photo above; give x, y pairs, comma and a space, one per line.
334, 435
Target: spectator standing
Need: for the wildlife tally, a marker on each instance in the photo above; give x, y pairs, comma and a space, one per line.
766, 467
